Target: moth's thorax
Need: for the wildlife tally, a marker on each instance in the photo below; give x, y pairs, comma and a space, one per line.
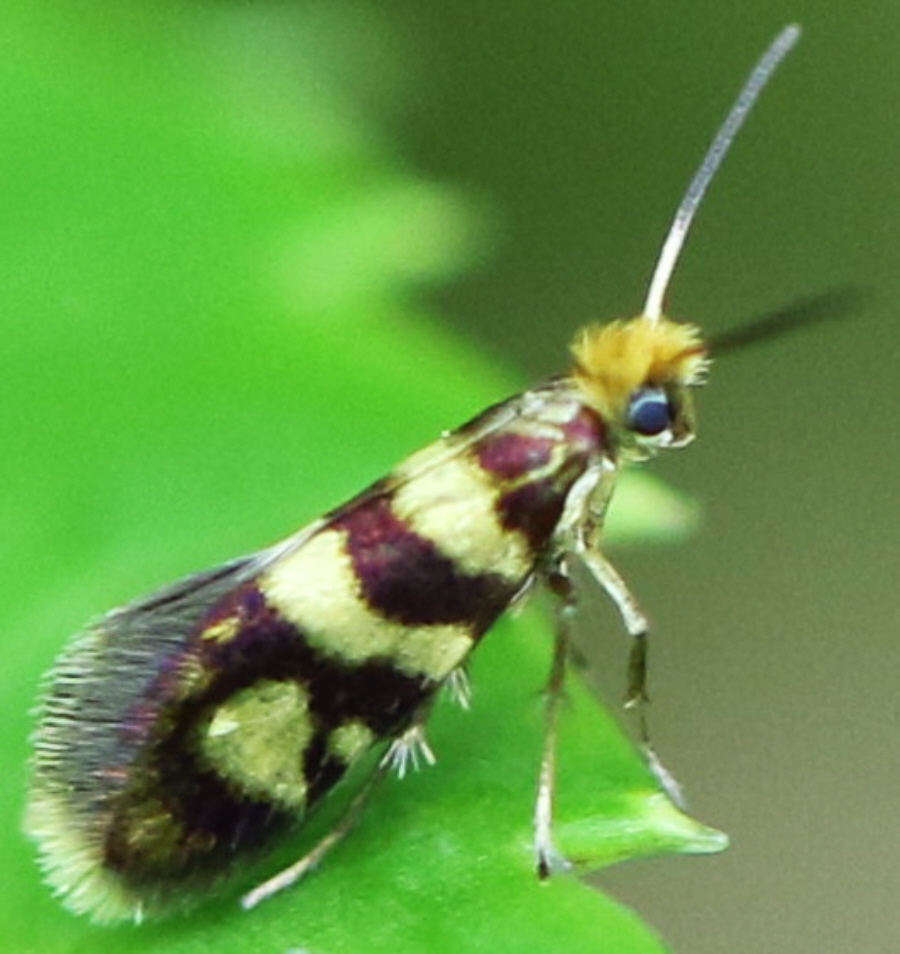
489, 495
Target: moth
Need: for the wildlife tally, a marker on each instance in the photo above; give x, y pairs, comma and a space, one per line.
187, 731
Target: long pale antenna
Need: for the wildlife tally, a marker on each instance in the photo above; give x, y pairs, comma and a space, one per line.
668, 257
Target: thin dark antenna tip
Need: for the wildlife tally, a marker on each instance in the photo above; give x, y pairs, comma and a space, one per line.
839, 303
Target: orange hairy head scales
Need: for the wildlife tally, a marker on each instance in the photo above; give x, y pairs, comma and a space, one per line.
612, 361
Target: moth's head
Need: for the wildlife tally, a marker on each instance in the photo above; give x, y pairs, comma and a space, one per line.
637, 375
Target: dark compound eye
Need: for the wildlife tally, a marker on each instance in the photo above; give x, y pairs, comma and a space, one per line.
649, 412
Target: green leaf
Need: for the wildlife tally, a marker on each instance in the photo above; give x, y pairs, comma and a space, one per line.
208, 261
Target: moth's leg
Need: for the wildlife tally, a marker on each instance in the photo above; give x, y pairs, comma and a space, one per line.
636, 691
300, 868
408, 749
635, 624
459, 687
547, 859
405, 750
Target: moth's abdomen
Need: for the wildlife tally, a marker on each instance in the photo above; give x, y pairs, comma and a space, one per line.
187, 731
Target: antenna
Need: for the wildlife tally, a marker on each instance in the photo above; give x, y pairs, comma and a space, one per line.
840, 302
756, 81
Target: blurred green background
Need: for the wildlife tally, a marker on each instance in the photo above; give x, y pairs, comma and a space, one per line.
188, 226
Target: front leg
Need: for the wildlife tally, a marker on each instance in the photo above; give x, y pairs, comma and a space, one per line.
578, 535
636, 692
635, 625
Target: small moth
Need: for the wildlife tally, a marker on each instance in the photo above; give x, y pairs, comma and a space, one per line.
185, 732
